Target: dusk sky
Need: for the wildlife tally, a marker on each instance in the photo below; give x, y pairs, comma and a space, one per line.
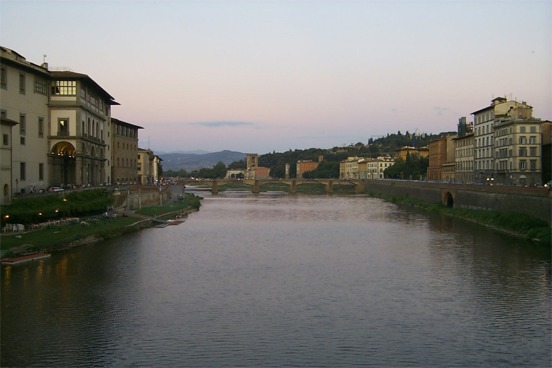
263, 76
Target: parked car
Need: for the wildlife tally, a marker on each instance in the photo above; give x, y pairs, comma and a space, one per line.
55, 189
548, 185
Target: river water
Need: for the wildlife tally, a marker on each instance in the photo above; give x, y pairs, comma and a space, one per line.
275, 280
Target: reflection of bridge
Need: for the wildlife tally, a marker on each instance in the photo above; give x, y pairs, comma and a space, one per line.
292, 184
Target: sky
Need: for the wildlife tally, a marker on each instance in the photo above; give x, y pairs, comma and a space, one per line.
272, 75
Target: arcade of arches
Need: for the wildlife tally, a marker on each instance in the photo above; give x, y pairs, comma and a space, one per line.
70, 167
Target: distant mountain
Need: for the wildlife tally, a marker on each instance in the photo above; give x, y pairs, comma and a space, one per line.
195, 152
192, 161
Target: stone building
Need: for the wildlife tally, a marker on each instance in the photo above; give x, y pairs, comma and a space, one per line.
80, 119
124, 152
25, 118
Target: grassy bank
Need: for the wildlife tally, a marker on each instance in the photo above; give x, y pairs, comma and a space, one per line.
516, 224
88, 229
55, 238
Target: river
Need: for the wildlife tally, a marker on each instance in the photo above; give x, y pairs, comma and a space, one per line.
276, 280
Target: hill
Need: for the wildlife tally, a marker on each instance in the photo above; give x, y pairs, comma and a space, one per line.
192, 161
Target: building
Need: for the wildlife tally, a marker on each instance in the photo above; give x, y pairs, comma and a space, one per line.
25, 118
258, 172
80, 119
253, 170
124, 152
156, 169
62, 135
145, 167
6, 169
485, 121
406, 150
441, 159
234, 174
463, 152
348, 168
517, 146
546, 129
305, 165
251, 160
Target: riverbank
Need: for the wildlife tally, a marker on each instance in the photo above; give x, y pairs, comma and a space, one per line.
515, 224
60, 237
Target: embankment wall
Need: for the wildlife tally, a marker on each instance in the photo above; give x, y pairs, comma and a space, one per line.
533, 201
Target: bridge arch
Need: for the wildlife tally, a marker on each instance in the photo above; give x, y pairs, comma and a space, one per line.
448, 199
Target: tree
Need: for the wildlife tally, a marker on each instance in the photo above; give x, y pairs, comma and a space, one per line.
414, 167
237, 165
325, 169
219, 170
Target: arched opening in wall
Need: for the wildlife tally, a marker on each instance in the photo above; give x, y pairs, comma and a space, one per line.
63, 164
449, 200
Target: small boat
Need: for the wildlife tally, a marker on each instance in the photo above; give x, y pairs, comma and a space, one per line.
174, 222
24, 258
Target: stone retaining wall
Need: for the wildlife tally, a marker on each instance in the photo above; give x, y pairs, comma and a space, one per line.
533, 201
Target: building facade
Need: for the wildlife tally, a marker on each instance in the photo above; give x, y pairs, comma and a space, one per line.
24, 110
464, 148
348, 168
305, 165
80, 119
546, 129
124, 152
145, 167
517, 147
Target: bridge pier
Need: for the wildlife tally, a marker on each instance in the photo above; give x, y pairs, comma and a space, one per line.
359, 187
293, 187
329, 187
256, 188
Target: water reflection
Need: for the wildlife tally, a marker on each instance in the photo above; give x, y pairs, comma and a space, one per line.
266, 280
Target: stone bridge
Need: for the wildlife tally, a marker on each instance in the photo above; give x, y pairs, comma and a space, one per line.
292, 184
530, 200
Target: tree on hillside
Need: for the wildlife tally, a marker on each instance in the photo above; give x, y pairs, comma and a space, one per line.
217, 172
413, 168
237, 165
326, 169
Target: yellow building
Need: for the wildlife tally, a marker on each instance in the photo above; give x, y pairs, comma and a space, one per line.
25, 120
406, 150
80, 114
124, 152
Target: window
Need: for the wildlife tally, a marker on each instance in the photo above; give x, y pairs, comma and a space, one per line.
40, 86
63, 127
41, 127
4, 78
522, 164
5, 139
22, 171
533, 164
532, 139
22, 83
532, 151
533, 129
522, 152
22, 124
522, 129
64, 88
41, 171
3, 114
